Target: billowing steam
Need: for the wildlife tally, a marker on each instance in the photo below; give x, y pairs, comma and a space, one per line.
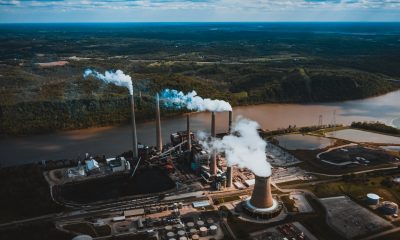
178, 100
243, 147
118, 78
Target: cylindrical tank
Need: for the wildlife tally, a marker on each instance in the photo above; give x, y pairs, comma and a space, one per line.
170, 235
82, 237
183, 238
193, 231
210, 222
181, 233
168, 228
372, 199
213, 230
200, 223
179, 227
203, 231
190, 224
389, 208
195, 237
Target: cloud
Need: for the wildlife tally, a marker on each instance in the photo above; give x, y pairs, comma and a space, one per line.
198, 10
182, 4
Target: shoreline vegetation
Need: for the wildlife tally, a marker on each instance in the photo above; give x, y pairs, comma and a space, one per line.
40, 117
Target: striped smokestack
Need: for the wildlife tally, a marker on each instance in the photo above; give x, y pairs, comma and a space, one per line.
134, 136
158, 124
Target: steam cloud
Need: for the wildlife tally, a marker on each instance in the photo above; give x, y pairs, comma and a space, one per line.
118, 78
175, 99
243, 147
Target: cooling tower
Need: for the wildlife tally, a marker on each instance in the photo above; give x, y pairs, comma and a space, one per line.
262, 205
134, 136
158, 125
213, 163
262, 197
189, 139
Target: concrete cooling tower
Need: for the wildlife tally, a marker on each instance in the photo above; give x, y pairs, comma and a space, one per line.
261, 204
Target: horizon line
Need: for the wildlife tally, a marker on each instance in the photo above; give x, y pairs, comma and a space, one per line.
202, 22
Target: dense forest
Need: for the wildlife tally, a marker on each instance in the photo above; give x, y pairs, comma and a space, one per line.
41, 66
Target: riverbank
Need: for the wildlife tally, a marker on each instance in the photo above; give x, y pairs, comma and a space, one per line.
116, 139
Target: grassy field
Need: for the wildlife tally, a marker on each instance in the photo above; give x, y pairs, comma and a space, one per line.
357, 189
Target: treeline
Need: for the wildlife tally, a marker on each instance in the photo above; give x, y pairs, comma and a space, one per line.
294, 129
376, 126
46, 116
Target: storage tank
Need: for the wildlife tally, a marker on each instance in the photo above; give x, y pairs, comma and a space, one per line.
203, 231
183, 238
210, 222
190, 224
170, 235
195, 237
82, 237
389, 208
213, 229
200, 223
181, 233
193, 231
168, 228
372, 199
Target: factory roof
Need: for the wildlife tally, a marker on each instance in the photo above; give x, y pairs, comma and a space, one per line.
201, 204
134, 212
92, 164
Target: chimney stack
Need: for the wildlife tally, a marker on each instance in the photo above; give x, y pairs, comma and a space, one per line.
262, 197
229, 170
158, 125
134, 136
213, 164
230, 122
189, 139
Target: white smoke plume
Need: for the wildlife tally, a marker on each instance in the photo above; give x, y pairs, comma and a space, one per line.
175, 99
118, 78
243, 147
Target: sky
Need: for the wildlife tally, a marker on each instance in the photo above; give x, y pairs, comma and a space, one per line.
28, 11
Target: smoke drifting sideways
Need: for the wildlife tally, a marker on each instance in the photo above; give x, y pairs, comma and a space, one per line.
177, 100
243, 147
118, 78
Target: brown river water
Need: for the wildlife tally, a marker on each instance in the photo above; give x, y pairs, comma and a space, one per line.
117, 139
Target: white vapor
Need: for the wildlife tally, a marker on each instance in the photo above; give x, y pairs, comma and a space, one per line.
243, 147
118, 78
176, 99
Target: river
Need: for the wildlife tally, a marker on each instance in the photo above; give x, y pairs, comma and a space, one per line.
117, 139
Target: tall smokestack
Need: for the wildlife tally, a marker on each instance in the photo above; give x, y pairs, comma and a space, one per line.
230, 121
158, 124
213, 164
262, 197
229, 170
189, 139
134, 136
